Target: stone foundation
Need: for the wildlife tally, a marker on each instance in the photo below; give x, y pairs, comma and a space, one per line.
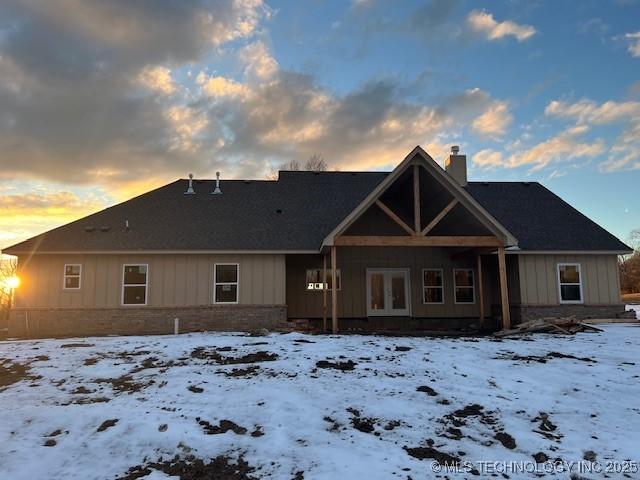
397, 325
70, 322
524, 313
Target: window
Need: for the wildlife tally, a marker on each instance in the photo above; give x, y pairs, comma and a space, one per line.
314, 279
72, 274
570, 283
464, 291
225, 283
134, 284
432, 286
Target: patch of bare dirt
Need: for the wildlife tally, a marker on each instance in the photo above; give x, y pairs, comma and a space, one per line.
12, 372
546, 427
428, 390
241, 372
194, 389
542, 359
429, 452
506, 440
223, 427
76, 345
81, 390
342, 366
191, 468
125, 384
107, 424
214, 356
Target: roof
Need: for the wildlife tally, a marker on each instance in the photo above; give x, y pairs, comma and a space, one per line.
540, 219
296, 213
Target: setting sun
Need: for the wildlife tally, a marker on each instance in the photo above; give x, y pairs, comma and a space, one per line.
12, 282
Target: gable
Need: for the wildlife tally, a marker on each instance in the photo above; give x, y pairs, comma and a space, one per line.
422, 200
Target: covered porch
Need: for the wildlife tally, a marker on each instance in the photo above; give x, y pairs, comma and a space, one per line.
417, 249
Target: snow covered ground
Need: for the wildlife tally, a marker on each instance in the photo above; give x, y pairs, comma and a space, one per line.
636, 308
312, 407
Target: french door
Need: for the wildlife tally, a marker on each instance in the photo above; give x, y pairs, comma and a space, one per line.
388, 292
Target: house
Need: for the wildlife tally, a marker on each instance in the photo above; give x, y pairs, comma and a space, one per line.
418, 248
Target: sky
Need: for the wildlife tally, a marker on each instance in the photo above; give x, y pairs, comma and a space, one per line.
104, 100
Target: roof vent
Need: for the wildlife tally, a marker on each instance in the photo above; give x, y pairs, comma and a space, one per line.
190, 190
455, 149
89, 229
217, 191
105, 228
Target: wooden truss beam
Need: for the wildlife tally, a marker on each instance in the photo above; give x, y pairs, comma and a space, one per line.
415, 241
439, 217
416, 197
480, 290
394, 217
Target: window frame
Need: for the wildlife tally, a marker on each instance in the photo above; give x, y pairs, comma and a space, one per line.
560, 284
236, 283
64, 276
146, 285
326, 284
472, 286
424, 287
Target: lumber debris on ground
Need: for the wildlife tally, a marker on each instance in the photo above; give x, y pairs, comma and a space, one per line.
565, 325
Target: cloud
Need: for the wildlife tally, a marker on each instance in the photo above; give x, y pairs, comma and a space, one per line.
588, 111
259, 62
89, 88
624, 153
563, 147
221, 87
157, 78
494, 122
483, 23
633, 40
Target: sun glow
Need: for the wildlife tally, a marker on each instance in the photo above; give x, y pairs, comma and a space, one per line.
12, 282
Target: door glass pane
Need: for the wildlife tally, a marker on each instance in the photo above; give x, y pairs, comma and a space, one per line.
377, 291
398, 294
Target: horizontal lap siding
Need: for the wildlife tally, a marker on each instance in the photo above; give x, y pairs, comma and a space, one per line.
539, 278
353, 263
174, 280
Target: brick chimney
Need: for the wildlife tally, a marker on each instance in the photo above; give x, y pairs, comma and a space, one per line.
456, 166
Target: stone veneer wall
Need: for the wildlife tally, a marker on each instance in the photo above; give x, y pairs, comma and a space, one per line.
524, 313
65, 322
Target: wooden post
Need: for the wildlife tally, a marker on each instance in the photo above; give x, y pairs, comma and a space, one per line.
324, 292
416, 198
504, 292
334, 292
480, 290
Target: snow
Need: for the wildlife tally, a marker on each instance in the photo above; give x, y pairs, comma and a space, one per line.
634, 307
593, 401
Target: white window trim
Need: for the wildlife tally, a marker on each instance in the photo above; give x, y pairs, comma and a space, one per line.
146, 285
236, 283
472, 287
64, 276
424, 287
326, 284
579, 283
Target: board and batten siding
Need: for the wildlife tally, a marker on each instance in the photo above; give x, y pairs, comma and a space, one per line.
353, 263
174, 279
539, 278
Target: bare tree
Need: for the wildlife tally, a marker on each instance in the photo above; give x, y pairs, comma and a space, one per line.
315, 163
630, 265
8, 268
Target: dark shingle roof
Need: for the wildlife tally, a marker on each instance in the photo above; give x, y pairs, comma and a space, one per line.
541, 220
296, 213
